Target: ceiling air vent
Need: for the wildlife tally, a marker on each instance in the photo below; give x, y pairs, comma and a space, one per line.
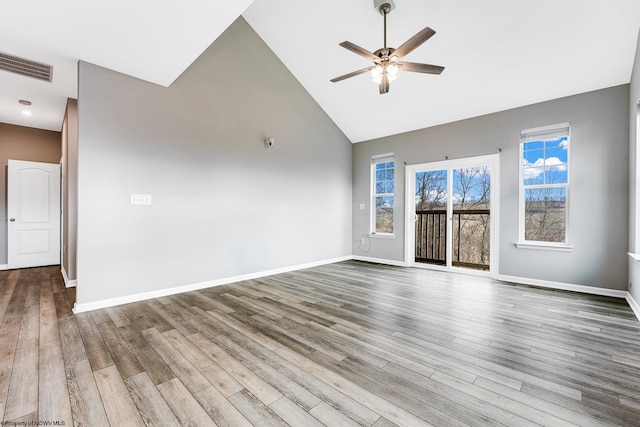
26, 67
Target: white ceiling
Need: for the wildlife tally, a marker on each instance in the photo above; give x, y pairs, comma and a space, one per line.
154, 40
498, 54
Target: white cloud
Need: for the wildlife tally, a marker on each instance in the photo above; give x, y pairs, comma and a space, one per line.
535, 169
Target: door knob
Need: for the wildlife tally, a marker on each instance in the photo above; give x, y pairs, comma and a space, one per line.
12, 219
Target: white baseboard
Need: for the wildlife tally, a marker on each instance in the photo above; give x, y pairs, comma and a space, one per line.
564, 286
79, 308
4, 267
534, 282
380, 261
634, 305
67, 283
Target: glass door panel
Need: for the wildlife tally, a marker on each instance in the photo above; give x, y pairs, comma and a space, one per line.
471, 202
431, 195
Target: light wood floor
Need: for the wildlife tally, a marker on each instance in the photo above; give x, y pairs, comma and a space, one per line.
338, 345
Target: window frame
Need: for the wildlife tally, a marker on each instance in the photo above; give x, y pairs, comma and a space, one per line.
544, 133
375, 160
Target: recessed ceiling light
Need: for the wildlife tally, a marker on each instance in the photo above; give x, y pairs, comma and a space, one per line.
24, 102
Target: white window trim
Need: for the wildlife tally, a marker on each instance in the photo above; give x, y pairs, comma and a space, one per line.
545, 246
522, 243
382, 235
380, 158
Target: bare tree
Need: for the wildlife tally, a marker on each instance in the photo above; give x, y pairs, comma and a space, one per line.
471, 236
471, 193
431, 224
431, 190
545, 214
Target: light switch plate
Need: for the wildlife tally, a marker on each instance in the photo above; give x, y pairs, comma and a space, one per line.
361, 206
141, 199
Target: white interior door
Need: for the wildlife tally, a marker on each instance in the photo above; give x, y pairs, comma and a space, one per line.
33, 214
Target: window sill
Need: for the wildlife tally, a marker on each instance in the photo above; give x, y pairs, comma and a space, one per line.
545, 246
382, 235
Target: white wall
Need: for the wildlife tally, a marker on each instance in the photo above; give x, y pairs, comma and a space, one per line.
223, 205
599, 179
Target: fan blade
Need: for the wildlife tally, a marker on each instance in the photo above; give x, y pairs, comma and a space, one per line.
353, 74
384, 84
360, 51
420, 68
414, 42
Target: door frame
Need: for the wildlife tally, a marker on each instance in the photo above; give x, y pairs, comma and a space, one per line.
56, 208
493, 161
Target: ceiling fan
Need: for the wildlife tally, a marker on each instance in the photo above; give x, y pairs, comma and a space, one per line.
387, 60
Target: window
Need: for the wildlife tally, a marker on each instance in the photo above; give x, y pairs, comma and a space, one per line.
544, 185
383, 187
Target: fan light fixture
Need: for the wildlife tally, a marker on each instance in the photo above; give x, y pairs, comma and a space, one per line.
386, 60
391, 70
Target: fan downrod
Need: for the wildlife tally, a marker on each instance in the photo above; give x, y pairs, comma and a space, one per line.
384, 7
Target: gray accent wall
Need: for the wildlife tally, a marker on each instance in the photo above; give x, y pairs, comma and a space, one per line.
634, 165
222, 204
599, 185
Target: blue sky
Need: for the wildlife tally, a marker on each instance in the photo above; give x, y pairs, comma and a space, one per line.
545, 162
385, 178
439, 179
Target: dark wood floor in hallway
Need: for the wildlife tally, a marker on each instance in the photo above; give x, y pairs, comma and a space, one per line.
347, 344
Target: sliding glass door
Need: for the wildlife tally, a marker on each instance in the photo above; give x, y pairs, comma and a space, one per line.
451, 222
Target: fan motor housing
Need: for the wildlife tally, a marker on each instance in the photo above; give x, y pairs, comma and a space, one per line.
377, 4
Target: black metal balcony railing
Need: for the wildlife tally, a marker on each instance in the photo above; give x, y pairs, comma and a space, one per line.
470, 237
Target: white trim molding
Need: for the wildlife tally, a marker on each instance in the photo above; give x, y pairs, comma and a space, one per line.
67, 283
564, 286
79, 308
380, 261
382, 235
634, 256
544, 246
95, 305
4, 267
635, 307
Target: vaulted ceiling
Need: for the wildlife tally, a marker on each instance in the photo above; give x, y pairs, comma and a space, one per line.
497, 54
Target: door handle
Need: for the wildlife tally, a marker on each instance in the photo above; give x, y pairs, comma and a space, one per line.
12, 219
